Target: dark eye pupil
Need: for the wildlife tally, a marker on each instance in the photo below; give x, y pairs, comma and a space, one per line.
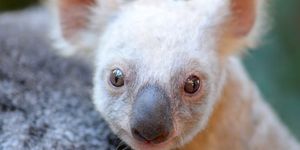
117, 78
192, 84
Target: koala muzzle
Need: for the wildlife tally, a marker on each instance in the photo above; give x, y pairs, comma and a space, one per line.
151, 118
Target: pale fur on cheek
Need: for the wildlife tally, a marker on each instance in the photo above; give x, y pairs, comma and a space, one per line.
214, 83
114, 109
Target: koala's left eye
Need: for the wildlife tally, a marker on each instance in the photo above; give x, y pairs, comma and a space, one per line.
192, 84
117, 77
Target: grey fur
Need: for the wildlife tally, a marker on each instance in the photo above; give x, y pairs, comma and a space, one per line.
45, 100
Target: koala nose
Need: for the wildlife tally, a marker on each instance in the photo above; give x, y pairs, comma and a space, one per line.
151, 118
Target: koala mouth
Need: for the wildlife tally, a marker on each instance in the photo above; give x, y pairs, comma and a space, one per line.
128, 142
138, 145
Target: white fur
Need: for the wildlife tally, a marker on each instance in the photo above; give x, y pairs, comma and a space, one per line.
156, 38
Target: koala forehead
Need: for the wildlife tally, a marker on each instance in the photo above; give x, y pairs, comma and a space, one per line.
162, 37
173, 24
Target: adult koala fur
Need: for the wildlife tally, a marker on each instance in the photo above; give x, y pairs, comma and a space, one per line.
45, 101
168, 73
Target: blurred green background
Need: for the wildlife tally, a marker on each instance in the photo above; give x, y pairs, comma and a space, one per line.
275, 65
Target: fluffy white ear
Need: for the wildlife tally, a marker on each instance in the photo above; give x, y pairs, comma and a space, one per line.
247, 19
70, 25
78, 23
74, 17
243, 16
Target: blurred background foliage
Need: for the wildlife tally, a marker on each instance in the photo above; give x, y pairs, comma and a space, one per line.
274, 66
6, 5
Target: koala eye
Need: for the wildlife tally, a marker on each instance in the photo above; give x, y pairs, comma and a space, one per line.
117, 77
192, 84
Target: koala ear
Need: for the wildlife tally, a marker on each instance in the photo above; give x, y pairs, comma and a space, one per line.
71, 21
74, 17
244, 26
78, 23
243, 13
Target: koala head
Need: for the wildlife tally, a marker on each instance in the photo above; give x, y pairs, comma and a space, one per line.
159, 65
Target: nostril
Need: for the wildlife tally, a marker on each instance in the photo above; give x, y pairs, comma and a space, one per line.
161, 138
138, 135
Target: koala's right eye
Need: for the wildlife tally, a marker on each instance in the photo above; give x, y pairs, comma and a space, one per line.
117, 77
192, 84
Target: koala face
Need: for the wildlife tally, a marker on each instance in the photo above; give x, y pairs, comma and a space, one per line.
159, 64
157, 77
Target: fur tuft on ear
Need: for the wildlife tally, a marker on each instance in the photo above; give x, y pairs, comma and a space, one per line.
243, 16
76, 25
74, 17
245, 25
71, 25
71, 21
